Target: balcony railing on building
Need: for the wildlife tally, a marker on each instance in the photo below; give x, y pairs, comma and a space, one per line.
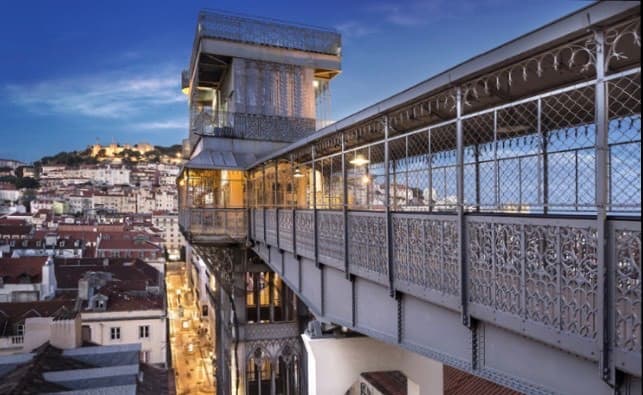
268, 32
203, 223
250, 126
211, 205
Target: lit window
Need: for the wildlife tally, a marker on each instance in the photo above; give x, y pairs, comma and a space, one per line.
143, 331
115, 333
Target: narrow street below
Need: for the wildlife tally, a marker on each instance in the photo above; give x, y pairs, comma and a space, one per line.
191, 352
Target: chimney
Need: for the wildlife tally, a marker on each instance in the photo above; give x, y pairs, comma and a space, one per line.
66, 330
49, 284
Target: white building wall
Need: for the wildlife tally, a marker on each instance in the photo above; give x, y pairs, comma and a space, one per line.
129, 323
334, 365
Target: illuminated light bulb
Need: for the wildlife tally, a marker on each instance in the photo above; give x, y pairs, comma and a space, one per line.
359, 160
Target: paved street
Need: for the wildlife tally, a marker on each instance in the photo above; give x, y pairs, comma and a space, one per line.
191, 352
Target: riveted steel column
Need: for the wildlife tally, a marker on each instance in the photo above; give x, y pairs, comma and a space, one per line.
263, 199
464, 281
249, 210
430, 162
294, 205
345, 206
315, 235
545, 166
605, 281
387, 209
277, 201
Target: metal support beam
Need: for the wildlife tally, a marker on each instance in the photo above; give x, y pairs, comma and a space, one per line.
250, 234
460, 212
605, 280
545, 165
387, 209
277, 202
294, 206
430, 170
315, 227
263, 194
345, 206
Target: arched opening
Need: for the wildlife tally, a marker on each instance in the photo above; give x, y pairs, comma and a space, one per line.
259, 374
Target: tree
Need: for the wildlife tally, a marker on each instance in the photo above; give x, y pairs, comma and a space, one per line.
9, 179
27, 182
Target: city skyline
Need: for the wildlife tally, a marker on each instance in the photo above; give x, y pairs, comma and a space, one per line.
121, 83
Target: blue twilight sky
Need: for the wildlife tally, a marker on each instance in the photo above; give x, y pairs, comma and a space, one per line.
76, 72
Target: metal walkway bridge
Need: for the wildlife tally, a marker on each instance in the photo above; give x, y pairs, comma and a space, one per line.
488, 218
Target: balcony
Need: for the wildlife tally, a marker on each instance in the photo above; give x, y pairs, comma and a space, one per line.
270, 331
250, 126
213, 224
12, 342
269, 33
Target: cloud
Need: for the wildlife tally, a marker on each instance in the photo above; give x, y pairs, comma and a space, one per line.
417, 13
355, 29
114, 95
169, 124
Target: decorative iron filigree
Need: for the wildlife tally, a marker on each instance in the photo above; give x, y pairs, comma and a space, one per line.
285, 229
559, 265
627, 262
425, 253
331, 235
367, 242
579, 55
259, 225
221, 261
615, 36
271, 226
304, 225
273, 349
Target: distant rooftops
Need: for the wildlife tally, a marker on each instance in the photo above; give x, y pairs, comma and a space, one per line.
97, 369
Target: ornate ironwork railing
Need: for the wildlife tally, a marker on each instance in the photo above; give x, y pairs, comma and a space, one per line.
271, 226
272, 330
214, 222
250, 126
269, 32
286, 217
531, 274
331, 237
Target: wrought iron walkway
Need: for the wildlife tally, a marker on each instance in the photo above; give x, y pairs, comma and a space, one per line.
490, 221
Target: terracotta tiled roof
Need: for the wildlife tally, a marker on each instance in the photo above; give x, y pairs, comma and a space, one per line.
457, 382
388, 383
122, 244
14, 313
11, 229
67, 276
11, 269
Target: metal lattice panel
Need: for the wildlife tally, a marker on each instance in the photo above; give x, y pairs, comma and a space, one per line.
624, 136
558, 263
424, 253
271, 226
285, 229
269, 32
627, 266
367, 242
304, 227
331, 236
259, 224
